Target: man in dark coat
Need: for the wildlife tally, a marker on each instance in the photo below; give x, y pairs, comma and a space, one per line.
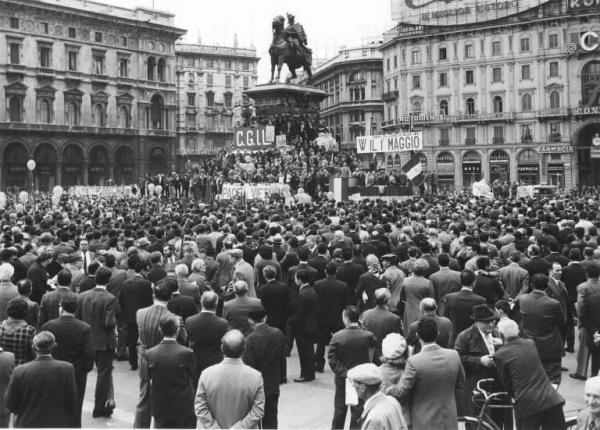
349, 272
588, 311
205, 331
380, 321
98, 308
305, 325
74, 345
457, 307
537, 403
265, 352
348, 348
445, 280
39, 276
276, 297
543, 320
171, 373
536, 264
487, 286
334, 296
236, 311
428, 308
42, 393
51, 300
184, 306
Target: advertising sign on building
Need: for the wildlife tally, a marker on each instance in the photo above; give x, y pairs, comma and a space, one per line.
397, 142
555, 149
252, 138
459, 12
579, 6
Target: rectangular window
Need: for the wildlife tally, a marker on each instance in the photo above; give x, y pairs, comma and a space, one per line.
443, 55
123, 40
526, 135
444, 136
15, 53
72, 61
395, 61
469, 50
98, 64
14, 23
123, 67
387, 62
98, 37
209, 80
228, 64
553, 41
45, 57
443, 79
395, 83
499, 132
469, 77
387, 86
191, 99
471, 133
416, 57
497, 74
525, 44
525, 72
246, 66
553, 69
416, 82
496, 48
210, 63
72, 32
245, 82
45, 29
228, 81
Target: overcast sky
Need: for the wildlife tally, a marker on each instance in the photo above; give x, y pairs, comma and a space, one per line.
329, 24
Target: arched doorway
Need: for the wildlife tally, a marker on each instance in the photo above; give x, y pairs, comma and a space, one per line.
15, 170
98, 169
528, 167
588, 154
499, 167
72, 170
471, 167
444, 168
124, 162
158, 161
44, 175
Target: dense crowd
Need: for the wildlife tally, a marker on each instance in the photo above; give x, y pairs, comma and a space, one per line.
408, 302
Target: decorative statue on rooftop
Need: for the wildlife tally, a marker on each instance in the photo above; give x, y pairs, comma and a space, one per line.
289, 47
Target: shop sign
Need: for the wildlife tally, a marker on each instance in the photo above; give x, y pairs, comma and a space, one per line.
472, 168
254, 138
591, 110
397, 142
583, 5
528, 168
445, 169
594, 152
556, 168
555, 149
499, 158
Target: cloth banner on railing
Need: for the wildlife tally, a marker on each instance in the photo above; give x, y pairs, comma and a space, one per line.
260, 191
104, 191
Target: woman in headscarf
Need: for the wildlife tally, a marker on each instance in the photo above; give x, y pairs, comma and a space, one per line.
393, 361
368, 283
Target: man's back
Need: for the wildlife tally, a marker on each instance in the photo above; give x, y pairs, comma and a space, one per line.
136, 293
445, 281
349, 273
514, 278
205, 331
276, 297
236, 312
588, 305
265, 353
73, 341
348, 348
381, 322
458, 307
542, 320
98, 308
334, 296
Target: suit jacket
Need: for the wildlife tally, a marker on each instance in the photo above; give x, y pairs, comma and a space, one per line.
42, 393
349, 347
190, 289
311, 271
394, 277
537, 265
7, 364
414, 289
248, 273
349, 273
556, 290
50, 302
205, 331
319, 263
522, 374
444, 336
230, 394
87, 283
136, 293
276, 298
382, 412
514, 278
181, 305
39, 281
542, 320
368, 283
306, 320
8, 291
73, 342
489, 288
265, 353
445, 281
381, 322
428, 384
588, 303
458, 308
98, 308
334, 296
171, 370
157, 273
236, 312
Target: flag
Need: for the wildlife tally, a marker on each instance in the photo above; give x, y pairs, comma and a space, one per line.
414, 170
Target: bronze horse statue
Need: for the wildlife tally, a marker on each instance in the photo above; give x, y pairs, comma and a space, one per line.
282, 51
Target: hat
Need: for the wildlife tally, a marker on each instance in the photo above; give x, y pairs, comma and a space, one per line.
366, 373
483, 313
236, 252
143, 242
393, 346
389, 257
46, 237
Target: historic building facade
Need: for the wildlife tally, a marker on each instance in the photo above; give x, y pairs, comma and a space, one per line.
210, 82
88, 92
353, 80
507, 100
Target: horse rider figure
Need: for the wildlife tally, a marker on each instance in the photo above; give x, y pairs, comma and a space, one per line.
296, 36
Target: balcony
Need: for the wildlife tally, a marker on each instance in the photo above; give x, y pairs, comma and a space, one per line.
470, 141
115, 131
553, 113
497, 116
465, 117
527, 139
444, 142
390, 95
554, 137
219, 129
100, 79
498, 141
45, 72
32, 126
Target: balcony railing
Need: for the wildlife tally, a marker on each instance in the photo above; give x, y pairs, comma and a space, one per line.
555, 112
444, 142
526, 139
219, 129
497, 140
390, 95
466, 117
554, 137
470, 141
497, 116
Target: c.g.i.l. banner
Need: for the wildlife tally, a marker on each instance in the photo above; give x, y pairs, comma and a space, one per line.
397, 142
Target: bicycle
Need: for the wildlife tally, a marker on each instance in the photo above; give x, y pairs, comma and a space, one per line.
490, 401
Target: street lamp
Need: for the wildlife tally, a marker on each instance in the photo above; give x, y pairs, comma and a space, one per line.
30, 168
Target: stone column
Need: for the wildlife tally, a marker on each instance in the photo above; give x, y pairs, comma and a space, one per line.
86, 168
59, 165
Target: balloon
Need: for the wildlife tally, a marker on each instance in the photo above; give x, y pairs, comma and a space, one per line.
55, 200
330, 195
23, 197
57, 190
158, 189
150, 188
31, 164
19, 207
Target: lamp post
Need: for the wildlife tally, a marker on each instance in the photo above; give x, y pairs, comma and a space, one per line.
30, 168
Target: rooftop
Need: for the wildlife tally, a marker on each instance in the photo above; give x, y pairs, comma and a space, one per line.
193, 48
361, 53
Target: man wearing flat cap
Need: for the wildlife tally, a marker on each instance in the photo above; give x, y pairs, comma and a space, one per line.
380, 411
242, 270
42, 392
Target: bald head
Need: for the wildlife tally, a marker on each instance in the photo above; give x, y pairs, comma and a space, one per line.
233, 344
592, 396
428, 305
382, 296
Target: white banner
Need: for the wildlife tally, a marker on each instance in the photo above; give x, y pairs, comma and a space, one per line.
397, 142
103, 191
252, 191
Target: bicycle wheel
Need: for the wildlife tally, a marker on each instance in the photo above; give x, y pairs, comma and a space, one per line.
472, 423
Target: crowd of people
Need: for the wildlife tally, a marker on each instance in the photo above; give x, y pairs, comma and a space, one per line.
409, 303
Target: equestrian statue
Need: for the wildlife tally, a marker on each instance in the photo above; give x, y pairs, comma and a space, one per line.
289, 47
